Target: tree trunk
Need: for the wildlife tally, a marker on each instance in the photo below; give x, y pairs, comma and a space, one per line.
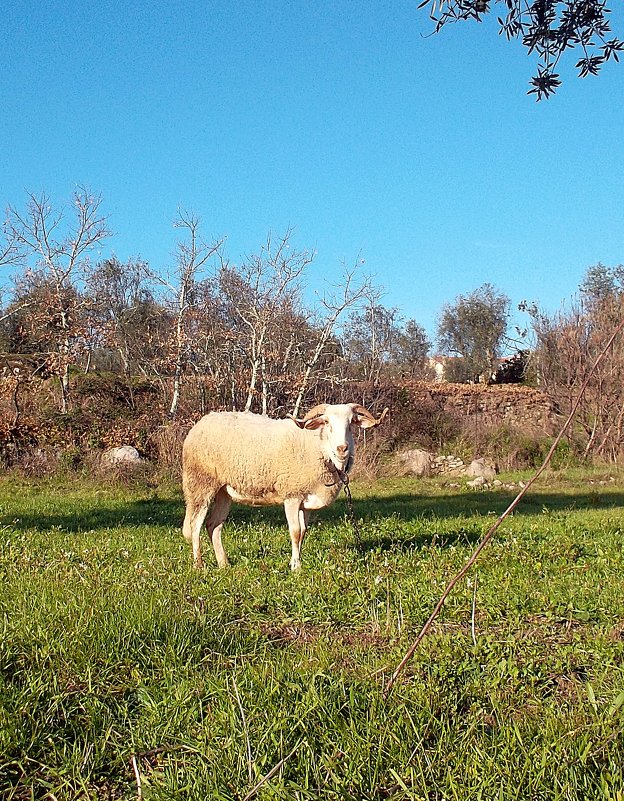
175, 398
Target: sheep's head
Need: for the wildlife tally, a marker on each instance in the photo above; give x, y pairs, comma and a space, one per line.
336, 425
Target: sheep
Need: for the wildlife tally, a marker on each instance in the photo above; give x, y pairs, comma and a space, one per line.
258, 461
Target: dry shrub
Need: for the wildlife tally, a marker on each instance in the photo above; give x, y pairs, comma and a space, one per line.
417, 415
128, 475
165, 443
568, 344
510, 448
37, 462
368, 459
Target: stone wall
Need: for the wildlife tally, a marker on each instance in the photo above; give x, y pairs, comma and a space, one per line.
447, 466
475, 405
420, 463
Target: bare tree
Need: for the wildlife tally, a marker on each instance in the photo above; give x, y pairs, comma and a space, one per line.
380, 344
121, 309
8, 250
349, 293
371, 336
262, 293
55, 253
566, 346
192, 256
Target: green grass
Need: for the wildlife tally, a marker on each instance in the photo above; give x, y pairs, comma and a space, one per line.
112, 647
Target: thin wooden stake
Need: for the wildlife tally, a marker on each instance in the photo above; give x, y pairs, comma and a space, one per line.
472, 617
137, 776
490, 533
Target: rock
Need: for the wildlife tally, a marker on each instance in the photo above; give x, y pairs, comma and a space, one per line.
415, 462
481, 468
479, 481
126, 456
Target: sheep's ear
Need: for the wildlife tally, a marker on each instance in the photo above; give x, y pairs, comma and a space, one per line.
313, 423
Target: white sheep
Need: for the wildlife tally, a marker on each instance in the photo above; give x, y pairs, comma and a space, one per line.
252, 459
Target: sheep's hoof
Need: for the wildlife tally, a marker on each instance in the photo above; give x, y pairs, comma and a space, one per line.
295, 565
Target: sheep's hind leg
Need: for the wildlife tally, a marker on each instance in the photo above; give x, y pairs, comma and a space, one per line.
297, 520
218, 515
193, 521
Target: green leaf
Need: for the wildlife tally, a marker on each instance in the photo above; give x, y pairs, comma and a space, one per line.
616, 703
592, 697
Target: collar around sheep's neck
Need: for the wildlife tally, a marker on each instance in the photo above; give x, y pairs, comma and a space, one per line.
339, 476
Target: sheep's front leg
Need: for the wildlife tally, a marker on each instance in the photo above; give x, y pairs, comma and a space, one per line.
297, 520
304, 518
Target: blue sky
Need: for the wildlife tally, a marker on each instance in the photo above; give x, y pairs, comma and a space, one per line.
421, 154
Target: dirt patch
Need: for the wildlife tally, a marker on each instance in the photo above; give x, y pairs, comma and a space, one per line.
617, 632
559, 631
305, 633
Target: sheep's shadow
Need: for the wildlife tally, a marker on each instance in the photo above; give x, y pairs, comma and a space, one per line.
401, 543
405, 507
409, 508
101, 516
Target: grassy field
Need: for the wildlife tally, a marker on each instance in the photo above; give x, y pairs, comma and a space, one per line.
125, 674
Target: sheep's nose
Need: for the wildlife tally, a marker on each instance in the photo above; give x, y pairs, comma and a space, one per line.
342, 451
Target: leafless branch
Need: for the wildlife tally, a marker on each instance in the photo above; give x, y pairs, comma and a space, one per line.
473, 612
16, 310
344, 296
137, 776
